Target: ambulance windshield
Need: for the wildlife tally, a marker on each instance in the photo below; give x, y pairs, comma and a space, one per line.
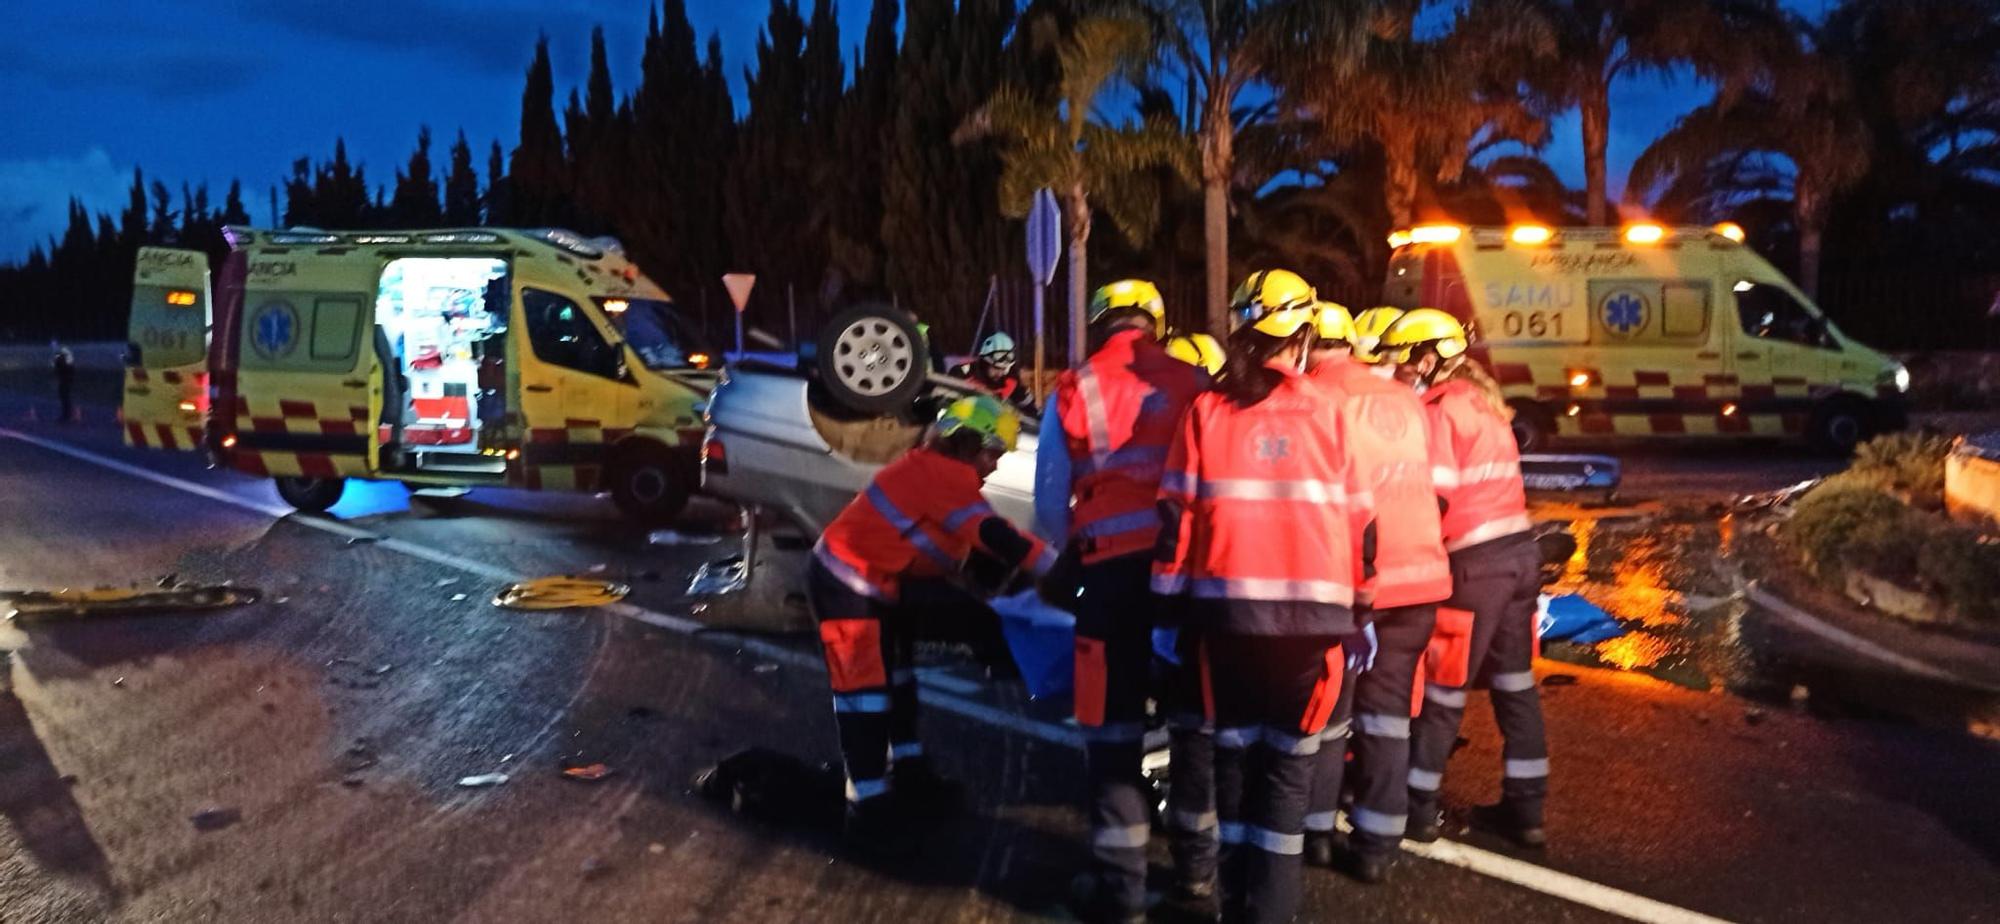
655, 332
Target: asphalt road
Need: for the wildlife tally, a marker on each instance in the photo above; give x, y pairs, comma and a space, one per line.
328, 726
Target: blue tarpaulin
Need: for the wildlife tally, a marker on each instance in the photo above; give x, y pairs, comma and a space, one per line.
1571, 618
1042, 640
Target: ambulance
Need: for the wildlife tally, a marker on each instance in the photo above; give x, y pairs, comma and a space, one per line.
1647, 331
449, 358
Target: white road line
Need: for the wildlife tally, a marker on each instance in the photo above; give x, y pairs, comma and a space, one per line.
1857, 644
1484, 862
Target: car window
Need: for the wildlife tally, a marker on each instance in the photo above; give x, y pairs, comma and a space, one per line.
1768, 312
655, 332
561, 334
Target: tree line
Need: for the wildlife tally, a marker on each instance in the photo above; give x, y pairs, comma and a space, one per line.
1210, 135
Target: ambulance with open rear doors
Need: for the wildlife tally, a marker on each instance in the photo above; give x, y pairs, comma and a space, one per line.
1647, 331
447, 358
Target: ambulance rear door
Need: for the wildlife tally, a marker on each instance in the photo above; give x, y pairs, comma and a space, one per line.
166, 358
309, 383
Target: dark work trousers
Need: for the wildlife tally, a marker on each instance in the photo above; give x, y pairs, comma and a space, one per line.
1115, 614
1498, 582
1192, 825
1382, 697
1272, 696
869, 647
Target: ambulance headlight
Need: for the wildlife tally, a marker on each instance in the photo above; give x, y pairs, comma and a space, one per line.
1901, 377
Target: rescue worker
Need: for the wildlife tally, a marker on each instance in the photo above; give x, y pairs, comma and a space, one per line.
64, 367
1117, 413
994, 369
1368, 328
919, 518
1486, 630
1258, 548
1406, 576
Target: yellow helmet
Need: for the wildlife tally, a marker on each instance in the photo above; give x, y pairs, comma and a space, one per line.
1130, 293
1275, 302
1197, 350
1334, 322
1368, 328
1425, 325
996, 423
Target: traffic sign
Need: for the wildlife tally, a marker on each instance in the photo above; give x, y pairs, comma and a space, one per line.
739, 285
1044, 237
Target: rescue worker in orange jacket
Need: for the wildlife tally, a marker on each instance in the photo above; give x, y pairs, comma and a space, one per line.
1406, 575
1259, 545
1486, 630
1116, 414
919, 519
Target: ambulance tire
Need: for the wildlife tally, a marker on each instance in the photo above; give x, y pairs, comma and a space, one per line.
898, 359
1533, 425
310, 495
1840, 423
651, 483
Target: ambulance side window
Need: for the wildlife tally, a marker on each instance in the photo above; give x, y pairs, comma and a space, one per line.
561, 334
1770, 313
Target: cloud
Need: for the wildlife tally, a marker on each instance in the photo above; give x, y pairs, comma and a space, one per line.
35, 194
491, 37
165, 75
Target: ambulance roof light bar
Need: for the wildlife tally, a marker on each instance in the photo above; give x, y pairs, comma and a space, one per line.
1533, 234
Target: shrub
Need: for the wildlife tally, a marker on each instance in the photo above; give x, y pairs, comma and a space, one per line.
1963, 568
1909, 464
1826, 520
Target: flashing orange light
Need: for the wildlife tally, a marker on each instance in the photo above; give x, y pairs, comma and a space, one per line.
1436, 234
616, 305
1578, 378
513, 453
188, 406
229, 442
699, 360
1730, 230
1574, 410
1729, 410
1399, 239
1531, 235
1645, 233
181, 297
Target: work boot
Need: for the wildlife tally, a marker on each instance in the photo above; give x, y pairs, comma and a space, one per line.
878, 827
1508, 821
1369, 866
1320, 849
1092, 903
916, 781
1426, 823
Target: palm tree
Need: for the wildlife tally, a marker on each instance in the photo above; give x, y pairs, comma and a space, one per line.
1222, 47
1601, 41
1061, 142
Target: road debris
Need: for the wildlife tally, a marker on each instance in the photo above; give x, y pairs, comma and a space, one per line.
1772, 500
559, 593
676, 537
455, 598
446, 582
483, 780
215, 818
1559, 680
593, 867
764, 668
719, 577
363, 540
40, 605
589, 773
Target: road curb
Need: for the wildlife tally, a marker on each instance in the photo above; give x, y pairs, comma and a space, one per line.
1798, 616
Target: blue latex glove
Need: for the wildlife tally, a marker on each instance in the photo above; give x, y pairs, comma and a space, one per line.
1360, 649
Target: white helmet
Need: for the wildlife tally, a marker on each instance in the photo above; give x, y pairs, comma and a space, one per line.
998, 351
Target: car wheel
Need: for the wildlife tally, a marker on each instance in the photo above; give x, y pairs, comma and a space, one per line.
1533, 428
312, 495
1840, 424
650, 485
872, 359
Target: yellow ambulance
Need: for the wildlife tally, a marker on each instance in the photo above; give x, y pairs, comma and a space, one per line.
1647, 331
532, 359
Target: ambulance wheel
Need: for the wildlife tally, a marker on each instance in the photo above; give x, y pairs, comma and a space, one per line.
650, 484
1533, 427
312, 495
1840, 424
872, 359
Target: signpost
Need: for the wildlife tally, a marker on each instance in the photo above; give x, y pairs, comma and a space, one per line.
1044, 248
739, 285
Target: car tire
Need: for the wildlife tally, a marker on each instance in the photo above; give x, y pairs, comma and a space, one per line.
651, 484
872, 359
310, 495
1532, 425
1840, 424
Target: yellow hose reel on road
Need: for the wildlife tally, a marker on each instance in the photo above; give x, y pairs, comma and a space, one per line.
560, 592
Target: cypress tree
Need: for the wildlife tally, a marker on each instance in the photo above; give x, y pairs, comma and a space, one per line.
233, 212
415, 202
538, 174
683, 127
461, 187
132, 221
498, 199
854, 245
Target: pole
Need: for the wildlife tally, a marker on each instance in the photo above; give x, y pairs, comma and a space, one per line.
792, 312
739, 331
1040, 354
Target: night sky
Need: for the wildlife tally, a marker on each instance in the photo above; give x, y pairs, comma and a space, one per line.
213, 89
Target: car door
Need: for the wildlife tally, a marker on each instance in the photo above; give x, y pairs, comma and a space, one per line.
1781, 349
574, 386
308, 382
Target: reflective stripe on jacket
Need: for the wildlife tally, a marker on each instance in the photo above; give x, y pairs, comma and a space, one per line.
1476, 466
1264, 531
1388, 447
921, 516
1119, 412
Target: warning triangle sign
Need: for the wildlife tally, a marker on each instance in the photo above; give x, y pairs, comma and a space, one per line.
739, 285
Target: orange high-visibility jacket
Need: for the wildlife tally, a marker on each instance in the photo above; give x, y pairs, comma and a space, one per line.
920, 517
1476, 466
1265, 525
1388, 447
1119, 413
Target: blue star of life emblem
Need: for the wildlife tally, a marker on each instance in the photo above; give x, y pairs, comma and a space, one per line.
274, 329
1624, 313
1273, 448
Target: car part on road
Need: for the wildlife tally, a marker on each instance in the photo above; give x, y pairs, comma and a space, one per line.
36, 605
561, 592
483, 781
873, 359
310, 495
676, 537
590, 773
215, 819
